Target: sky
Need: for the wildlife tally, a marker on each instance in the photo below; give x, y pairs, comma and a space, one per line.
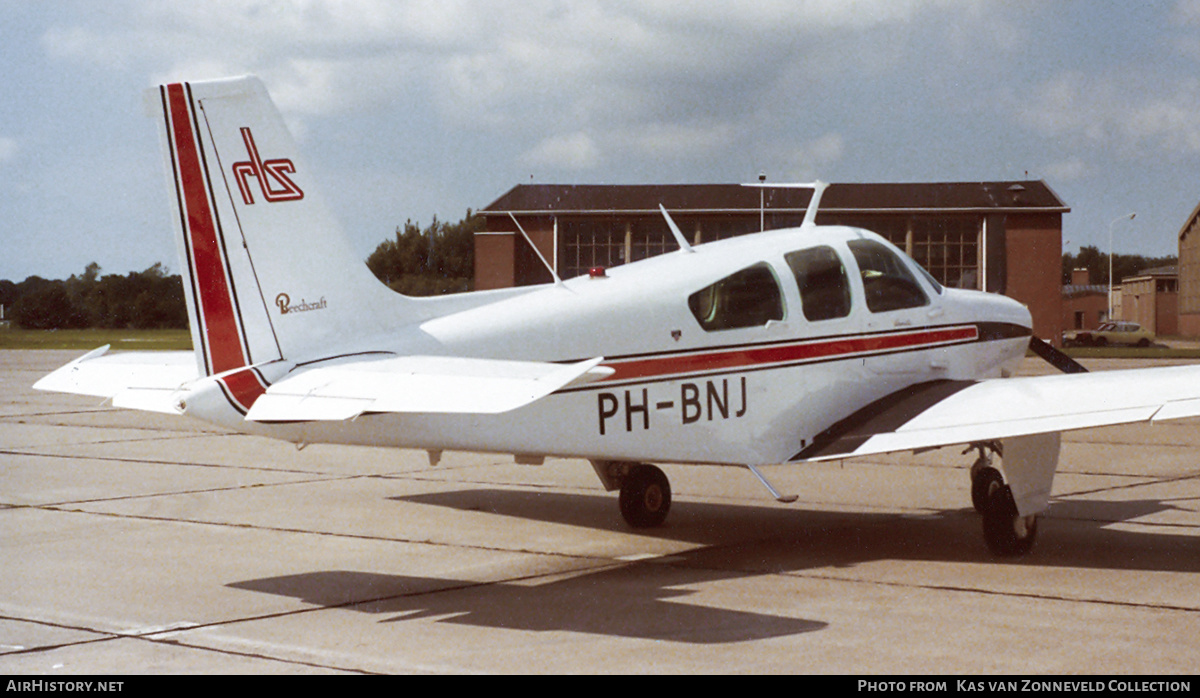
410, 110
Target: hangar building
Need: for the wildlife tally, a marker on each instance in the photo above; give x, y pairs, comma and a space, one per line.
1189, 276
1004, 237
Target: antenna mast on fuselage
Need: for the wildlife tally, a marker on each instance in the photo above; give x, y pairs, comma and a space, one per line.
814, 203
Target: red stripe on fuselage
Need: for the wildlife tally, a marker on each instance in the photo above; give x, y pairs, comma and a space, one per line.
800, 352
216, 311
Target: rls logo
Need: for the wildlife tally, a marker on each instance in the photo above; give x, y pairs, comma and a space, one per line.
272, 175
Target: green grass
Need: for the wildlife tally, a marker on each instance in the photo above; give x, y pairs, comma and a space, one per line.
142, 340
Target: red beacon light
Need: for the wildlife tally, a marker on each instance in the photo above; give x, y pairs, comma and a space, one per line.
597, 273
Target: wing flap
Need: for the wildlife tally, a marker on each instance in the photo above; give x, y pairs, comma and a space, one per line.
943, 413
416, 384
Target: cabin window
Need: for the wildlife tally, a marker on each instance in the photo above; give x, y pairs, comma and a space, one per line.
749, 298
824, 287
887, 282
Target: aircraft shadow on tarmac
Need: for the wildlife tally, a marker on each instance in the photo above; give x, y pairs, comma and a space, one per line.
1073, 533
643, 599
635, 600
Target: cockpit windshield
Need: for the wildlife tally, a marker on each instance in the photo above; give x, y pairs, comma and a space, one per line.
887, 281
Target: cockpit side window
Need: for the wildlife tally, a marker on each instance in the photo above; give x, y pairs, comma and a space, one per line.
824, 287
887, 282
748, 298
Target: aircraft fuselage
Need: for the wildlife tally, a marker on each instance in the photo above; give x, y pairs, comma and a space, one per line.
703, 371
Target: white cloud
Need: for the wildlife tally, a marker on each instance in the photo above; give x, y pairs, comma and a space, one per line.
792, 16
1187, 12
1069, 170
484, 60
785, 160
1118, 111
819, 152
1172, 120
697, 83
575, 151
671, 140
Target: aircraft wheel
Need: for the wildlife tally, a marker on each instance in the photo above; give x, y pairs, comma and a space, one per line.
1007, 533
984, 481
645, 496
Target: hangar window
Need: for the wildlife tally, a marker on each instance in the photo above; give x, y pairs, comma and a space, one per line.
749, 298
590, 243
948, 247
821, 276
609, 242
887, 282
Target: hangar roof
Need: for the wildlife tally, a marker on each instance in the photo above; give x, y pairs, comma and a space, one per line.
965, 197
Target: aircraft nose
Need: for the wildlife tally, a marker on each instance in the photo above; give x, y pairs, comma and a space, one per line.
1012, 311
1001, 312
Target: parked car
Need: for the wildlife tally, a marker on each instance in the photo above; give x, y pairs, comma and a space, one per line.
1112, 333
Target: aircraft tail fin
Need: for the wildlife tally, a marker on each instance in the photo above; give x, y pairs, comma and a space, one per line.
267, 272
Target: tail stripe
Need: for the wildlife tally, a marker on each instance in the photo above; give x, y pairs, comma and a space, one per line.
243, 387
220, 332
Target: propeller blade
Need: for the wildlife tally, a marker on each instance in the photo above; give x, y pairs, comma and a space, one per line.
1054, 357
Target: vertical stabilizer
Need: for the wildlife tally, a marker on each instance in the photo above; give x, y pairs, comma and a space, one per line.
267, 271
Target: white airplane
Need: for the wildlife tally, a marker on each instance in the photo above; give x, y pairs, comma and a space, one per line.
796, 345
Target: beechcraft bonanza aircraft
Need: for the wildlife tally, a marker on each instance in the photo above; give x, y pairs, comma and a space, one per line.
789, 346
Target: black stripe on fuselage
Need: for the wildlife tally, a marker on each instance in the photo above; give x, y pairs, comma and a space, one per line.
883, 416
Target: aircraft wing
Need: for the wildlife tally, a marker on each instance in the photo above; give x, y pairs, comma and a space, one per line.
429, 384
136, 380
943, 413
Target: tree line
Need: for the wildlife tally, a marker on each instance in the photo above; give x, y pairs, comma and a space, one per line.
1123, 265
437, 259
432, 261
150, 299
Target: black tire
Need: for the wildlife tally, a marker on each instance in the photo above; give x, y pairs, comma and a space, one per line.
645, 496
983, 482
1000, 526
1100, 342
1143, 342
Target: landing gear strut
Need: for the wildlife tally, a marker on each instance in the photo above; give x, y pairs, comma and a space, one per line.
645, 496
985, 478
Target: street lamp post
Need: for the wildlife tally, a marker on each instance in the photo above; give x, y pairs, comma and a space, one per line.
1127, 216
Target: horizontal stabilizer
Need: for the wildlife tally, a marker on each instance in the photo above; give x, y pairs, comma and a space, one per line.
943, 413
416, 384
138, 380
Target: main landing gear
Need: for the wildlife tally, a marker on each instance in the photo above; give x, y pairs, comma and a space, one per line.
645, 492
645, 496
645, 500
1007, 533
